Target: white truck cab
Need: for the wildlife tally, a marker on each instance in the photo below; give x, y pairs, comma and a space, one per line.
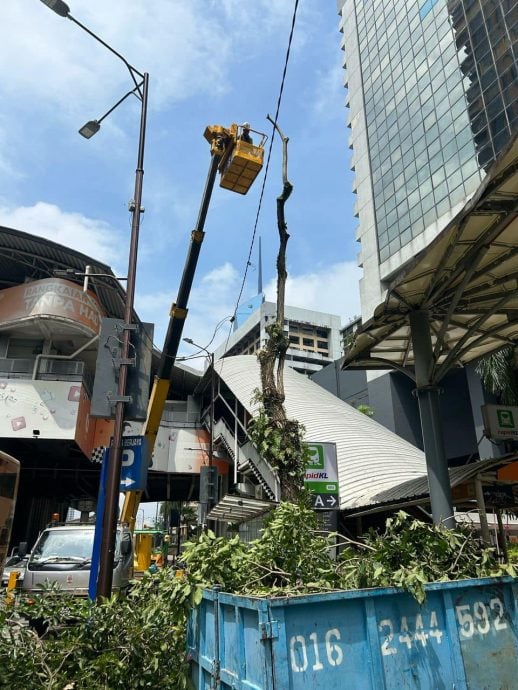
62, 554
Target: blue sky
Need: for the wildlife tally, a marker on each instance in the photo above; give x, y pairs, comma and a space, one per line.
209, 62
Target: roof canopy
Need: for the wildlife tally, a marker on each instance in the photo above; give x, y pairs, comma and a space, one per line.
466, 280
371, 459
24, 256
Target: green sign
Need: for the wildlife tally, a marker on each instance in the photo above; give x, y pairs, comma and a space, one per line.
505, 418
322, 476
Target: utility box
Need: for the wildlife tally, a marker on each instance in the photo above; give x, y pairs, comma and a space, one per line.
208, 485
107, 370
464, 636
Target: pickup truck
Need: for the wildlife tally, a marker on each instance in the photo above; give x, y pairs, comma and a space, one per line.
62, 554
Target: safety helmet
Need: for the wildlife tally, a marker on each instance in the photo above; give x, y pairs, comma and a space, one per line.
245, 125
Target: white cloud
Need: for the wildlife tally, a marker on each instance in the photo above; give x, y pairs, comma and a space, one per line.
212, 300
332, 289
93, 237
187, 47
329, 89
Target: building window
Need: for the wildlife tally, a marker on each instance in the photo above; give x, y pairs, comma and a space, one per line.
294, 339
322, 345
308, 342
19, 348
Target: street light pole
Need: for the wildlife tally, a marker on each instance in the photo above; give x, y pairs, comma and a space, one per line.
111, 512
111, 508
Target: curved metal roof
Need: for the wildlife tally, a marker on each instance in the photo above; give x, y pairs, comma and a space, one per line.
371, 459
466, 280
25, 256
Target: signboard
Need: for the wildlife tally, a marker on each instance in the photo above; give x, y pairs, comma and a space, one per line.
107, 370
134, 463
500, 422
51, 297
321, 478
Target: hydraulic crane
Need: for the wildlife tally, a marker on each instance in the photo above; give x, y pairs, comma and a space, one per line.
239, 162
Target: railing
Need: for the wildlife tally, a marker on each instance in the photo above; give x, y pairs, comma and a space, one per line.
262, 471
16, 368
48, 369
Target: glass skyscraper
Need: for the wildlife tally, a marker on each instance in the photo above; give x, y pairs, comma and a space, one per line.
433, 96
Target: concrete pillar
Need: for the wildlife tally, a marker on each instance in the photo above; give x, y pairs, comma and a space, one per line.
433, 438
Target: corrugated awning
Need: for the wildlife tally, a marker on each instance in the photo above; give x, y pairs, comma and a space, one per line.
416, 491
239, 509
466, 280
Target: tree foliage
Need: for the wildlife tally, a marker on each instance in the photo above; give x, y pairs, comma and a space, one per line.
498, 375
140, 641
292, 556
124, 642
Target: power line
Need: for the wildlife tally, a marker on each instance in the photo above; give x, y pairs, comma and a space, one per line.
279, 99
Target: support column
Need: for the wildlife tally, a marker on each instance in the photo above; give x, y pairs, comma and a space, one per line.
482, 514
502, 538
431, 425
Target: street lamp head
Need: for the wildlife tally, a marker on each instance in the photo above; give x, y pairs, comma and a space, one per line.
58, 6
189, 340
92, 127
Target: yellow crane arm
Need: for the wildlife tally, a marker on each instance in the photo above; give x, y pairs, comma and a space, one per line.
238, 163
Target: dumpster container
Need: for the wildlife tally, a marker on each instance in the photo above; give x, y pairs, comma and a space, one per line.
463, 637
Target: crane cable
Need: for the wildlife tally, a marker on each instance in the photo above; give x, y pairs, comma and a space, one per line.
293, 20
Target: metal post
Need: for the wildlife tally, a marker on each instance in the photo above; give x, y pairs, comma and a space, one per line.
501, 535
482, 513
211, 420
236, 444
433, 438
111, 511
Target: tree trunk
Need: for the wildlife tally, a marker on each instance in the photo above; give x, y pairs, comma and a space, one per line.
272, 358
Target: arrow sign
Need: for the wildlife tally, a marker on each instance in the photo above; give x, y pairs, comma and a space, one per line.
325, 501
134, 463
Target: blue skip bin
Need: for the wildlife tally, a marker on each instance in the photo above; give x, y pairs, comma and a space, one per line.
463, 637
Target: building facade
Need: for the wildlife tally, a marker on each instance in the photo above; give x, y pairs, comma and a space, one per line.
433, 99
314, 336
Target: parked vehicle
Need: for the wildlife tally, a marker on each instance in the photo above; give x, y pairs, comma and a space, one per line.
9, 474
464, 636
62, 554
15, 563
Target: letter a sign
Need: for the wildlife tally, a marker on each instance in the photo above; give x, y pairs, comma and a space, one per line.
322, 476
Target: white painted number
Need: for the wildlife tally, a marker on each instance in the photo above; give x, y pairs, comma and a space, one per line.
480, 611
298, 644
386, 649
405, 637
495, 603
335, 655
299, 651
465, 620
317, 666
477, 618
410, 633
435, 631
420, 633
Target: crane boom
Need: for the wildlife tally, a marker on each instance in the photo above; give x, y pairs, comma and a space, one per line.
227, 156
